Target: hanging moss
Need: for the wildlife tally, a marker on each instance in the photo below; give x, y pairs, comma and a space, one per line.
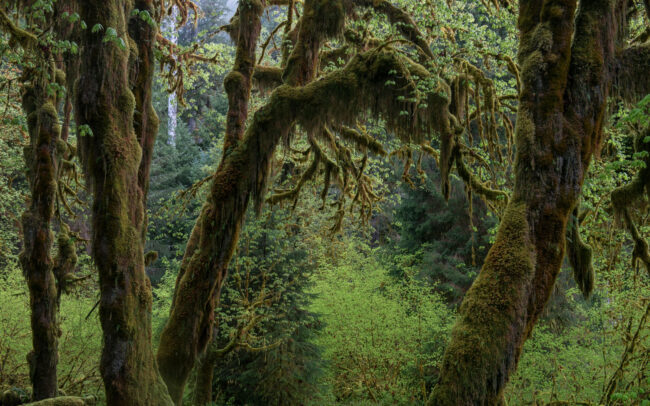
150, 257
632, 81
579, 255
267, 77
339, 98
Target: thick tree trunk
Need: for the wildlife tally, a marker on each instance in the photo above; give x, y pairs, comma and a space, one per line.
215, 234
566, 82
36, 258
113, 157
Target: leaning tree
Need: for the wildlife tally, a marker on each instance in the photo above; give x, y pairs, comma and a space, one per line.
571, 56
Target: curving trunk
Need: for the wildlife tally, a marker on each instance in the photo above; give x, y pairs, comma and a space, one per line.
215, 234
566, 56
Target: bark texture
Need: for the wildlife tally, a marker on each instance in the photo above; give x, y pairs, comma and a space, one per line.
114, 82
566, 58
36, 258
41, 162
216, 231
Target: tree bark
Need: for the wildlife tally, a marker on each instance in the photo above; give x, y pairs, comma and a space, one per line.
215, 234
113, 157
566, 81
204, 377
36, 258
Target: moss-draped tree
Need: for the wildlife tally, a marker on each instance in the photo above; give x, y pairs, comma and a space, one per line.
46, 275
113, 98
570, 55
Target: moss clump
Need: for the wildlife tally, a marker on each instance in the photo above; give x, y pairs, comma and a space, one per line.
60, 401
362, 140
65, 260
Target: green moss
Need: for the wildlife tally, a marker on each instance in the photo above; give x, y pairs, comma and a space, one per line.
60, 401
486, 340
60, 77
150, 257
579, 255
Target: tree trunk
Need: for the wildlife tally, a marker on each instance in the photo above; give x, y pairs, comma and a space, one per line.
566, 83
113, 157
215, 234
204, 377
36, 258
241, 174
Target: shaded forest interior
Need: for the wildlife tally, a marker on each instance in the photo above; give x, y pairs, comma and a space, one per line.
324, 202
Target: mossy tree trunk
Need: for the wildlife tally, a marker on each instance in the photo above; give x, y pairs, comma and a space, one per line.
566, 56
41, 159
242, 171
216, 231
36, 258
108, 94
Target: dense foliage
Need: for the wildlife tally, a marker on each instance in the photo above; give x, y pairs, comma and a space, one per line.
333, 301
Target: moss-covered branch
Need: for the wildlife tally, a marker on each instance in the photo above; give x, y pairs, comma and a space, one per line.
340, 98
404, 24
473, 182
26, 39
362, 140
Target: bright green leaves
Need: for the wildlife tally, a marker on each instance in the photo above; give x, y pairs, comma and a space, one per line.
145, 16
110, 36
